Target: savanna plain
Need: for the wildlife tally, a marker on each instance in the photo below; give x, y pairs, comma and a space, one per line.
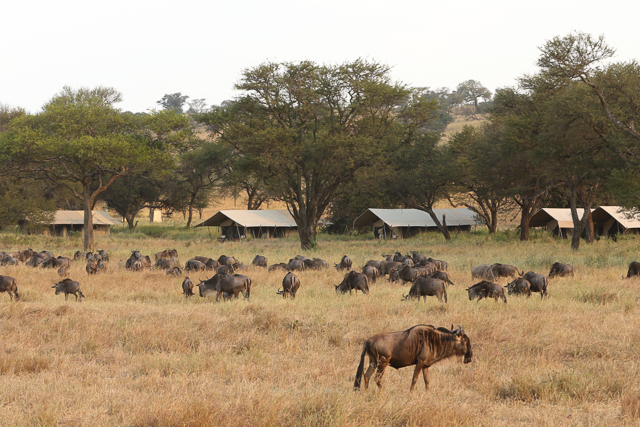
135, 352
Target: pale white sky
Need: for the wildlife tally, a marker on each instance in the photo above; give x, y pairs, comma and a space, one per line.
146, 49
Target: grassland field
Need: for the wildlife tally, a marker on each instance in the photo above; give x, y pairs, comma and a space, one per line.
136, 353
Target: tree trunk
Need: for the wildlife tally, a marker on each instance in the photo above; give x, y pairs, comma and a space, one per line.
130, 221
442, 227
88, 218
577, 224
307, 237
588, 228
493, 227
525, 219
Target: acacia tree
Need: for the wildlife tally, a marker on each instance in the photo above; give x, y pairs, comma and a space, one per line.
306, 129
82, 142
471, 91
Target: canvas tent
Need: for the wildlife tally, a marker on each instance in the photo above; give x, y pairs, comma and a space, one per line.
67, 221
237, 224
556, 220
402, 223
611, 220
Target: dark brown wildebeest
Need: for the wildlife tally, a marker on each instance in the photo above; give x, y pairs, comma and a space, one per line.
315, 264
634, 270
227, 260
224, 269
505, 270
143, 261
427, 287
165, 264
353, 281
101, 266
394, 275
260, 261
212, 264
421, 345
486, 289
385, 267
408, 274
10, 260
36, 260
221, 283
559, 269
56, 262
92, 268
519, 286
373, 263
398, 257
371, 272
290, 285
345, 264
8, 284
79, 255
25, 255
295, 265
388, 258
442, 275
301, 258
168, 254
104, 255
64, 270
194, 265
68, 286
440, 265
175, 271
483, 272
187, 287
418, 259
538, 282
280, 266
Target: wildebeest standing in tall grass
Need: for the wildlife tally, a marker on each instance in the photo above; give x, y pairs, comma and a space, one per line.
421, 345
290, 285
8, 284
295, 265
483, 272
371, 272
486, 289
538, 282
187, 287
195, 265
68, 286
427, 287
442, 275
505, 270
353, 281
168, 254
260, 261
519, 286
634, 270
345, 264
224, 283
559, 269
440, 265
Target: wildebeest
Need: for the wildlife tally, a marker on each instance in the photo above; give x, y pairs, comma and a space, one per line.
176, 271
301, 258
353, 281
483, 272
224, 269
295, 265
519, 286
55, 262
371, 272
168, 254
440, 265
260, 261
408, 274
398, 257
10, 260
427, 287
137, 261
79, 255
64, 270
418, 259
101, 266
24, 255
165, 264
36, 260
373, 263
8, 284
442, 275
634, 270
538, 282
408, 261
315, 264
92, 268
486, 289
290, 285
385, 267
68, 286
345, 264
280, 266
104, 255
559, 269
227, 260
505, 270
225, 283
421, 345
194, 265
187, 287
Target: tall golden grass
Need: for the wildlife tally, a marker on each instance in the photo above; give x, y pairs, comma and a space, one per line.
136, 353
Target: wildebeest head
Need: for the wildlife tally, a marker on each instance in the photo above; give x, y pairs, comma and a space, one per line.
459, 332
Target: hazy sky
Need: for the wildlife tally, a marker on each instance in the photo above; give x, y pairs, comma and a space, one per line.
146, 49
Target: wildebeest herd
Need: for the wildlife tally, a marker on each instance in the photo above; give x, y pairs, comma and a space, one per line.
421, 345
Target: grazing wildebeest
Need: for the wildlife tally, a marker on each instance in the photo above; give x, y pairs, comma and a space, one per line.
79, 255
187, 287
486, 289
104, 255
194, 265
56, 262
440, 265
519, 286
373, 263
260, 261
141, 261
168, 254
427, 287
24, 255
559, 269
68, 286
386, 267
345, 264
221, 283
280, 266
212, 264
227, 260
295, 265
315, 264
92, 268
421, 345
101, 266
224, 269
634, 270
537, 282
36, 260
64, 270
394, 276
301, 258
8, 284
505, 270
483, 272
164, 263
175, 271
442, 275
408, 274
10, 260
371, 272
417, 258
353, 281
290, 285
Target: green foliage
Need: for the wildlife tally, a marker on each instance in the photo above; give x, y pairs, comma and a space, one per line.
23, 203
173, 102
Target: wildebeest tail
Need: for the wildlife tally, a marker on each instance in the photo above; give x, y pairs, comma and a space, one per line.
444, 291
360, 371
246, 295
80, 293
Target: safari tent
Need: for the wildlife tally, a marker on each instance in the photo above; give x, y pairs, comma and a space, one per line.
402, 223
65, 222
556, 220
612, 220
237, 224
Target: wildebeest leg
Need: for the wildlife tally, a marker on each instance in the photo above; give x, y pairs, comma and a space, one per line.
382, 365
416, 373
218, 296
367, 375
425, 374
65, 296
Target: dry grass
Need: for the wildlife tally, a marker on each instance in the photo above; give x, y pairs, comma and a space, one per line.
135, 353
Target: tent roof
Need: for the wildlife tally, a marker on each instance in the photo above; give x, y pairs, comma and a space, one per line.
562, 215
603, 213
77, 218
415, 217
246, 218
